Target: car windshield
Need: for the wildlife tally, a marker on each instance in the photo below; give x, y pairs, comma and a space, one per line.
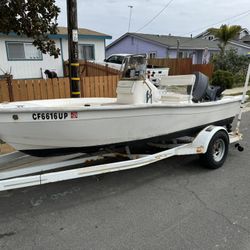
115, 59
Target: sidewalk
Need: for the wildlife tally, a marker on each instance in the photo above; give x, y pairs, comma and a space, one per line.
238, 91
234, 91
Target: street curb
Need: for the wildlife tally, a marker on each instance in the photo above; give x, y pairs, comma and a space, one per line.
234, 91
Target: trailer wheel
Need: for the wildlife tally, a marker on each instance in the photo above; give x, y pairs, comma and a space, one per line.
217, 151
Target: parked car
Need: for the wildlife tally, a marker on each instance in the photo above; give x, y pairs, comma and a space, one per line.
115, 61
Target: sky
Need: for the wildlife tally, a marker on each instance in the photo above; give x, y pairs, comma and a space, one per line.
175, 17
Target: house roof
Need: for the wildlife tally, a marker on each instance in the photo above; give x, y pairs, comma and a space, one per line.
202, 34
171, 41
243, 43
82, 32
206, 32
239, 44
246, 38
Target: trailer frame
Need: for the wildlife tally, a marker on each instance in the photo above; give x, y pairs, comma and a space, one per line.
32, 171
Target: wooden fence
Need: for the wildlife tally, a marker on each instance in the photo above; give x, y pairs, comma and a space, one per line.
99, 86
206, 69
36, 89
176, 67
96, 81
182, 66
92, 69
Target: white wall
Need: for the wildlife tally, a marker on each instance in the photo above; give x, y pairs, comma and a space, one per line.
27, 69
241, 50
32, 69
98, 45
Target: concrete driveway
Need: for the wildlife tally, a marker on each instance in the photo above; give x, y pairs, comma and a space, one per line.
173, 204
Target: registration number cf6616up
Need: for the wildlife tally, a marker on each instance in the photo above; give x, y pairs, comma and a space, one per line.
50, 116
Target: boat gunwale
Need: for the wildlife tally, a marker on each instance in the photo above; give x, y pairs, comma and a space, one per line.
111, 106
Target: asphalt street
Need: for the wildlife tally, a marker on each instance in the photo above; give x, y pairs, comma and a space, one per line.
172, 204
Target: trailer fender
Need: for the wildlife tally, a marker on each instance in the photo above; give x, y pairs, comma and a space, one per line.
203, 139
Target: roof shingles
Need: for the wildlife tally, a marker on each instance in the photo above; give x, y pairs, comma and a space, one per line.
81, 31
171, 41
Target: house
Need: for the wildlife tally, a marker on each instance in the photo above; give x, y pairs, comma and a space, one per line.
18, 55
241, 42
246, 39
207, 35
164, 46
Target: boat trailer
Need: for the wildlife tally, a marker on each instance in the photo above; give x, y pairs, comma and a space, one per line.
18, 170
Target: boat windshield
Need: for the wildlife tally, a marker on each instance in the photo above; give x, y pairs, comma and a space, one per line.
134, 67
180, 86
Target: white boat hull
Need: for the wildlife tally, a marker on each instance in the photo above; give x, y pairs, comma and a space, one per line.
84, 123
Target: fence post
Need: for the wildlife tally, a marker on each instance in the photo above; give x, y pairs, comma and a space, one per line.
87, 69
10, 89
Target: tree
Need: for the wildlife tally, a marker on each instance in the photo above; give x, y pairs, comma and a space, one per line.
224, 34
33, 18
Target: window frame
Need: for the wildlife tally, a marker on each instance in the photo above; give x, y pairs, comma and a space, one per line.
211, 37
85, 44
181, 54
152, 53
21, 59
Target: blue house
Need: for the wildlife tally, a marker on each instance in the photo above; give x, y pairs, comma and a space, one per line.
164, 46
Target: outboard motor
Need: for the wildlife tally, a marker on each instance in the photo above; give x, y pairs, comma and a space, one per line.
202, 91
213, 93
200, 87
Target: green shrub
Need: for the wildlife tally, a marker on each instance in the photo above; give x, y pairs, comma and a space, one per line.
223, 78
234, 63
239, 79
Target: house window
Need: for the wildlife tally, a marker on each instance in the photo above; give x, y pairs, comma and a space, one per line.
152, 54
211, 38
181, 54
86, 52
185, 54
22, 51
189, 54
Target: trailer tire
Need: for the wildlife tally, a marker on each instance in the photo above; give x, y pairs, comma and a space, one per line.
217, 150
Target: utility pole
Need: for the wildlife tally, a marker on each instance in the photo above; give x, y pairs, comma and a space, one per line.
75, 90
130, 15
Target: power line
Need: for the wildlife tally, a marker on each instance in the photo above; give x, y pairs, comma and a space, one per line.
151, 20
209, 26
240, 17
243, 14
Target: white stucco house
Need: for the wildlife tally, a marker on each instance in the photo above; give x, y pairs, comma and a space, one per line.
18, 55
